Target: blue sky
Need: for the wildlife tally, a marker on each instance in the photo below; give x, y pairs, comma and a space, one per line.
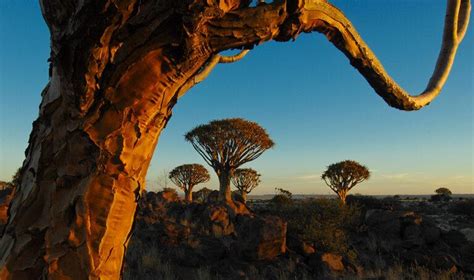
316, 107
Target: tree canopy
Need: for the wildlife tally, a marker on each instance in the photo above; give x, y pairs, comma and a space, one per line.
341, 177
189, 175
245, 180
186, 176
444, 191
229, 143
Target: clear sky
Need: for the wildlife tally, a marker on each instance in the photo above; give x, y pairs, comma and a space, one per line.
316, 107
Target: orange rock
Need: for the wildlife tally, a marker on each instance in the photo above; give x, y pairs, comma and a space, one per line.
333, 261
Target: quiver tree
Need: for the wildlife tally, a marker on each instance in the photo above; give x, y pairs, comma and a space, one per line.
117, 69
341, 177
227, 144
245, 180
187, 176
443, 191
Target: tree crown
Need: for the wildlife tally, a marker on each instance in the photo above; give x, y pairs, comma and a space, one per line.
246, 179
229, 142
443, 190
345, 175
189, 175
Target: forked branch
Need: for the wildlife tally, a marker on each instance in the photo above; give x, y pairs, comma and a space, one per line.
207, 69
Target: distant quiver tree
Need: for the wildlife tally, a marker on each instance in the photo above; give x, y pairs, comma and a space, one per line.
341, 177
443, 191
227, 144
187, 176
245, 180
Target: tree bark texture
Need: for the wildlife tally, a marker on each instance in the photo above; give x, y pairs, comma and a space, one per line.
244, 196
117, 69
224, 186
188, 194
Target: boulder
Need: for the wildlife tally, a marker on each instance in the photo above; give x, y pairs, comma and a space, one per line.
410, 217
299, 246
412, 236
333, 262
218, 220
454, 238
431, 234
383, 220
260, 238
468, 233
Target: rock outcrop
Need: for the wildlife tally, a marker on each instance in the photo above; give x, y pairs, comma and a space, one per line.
207, 232
412, 239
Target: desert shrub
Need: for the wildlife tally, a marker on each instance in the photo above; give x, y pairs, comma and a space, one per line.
323, 222
464, 207
170, 191
391, 203
440, 198
364, 201
281, 200
202, 195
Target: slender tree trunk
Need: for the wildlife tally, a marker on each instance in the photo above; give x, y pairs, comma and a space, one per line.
342, 195
224, 186
188, 194
244, 196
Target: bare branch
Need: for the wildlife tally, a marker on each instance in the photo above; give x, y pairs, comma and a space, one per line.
284, 22
202, 75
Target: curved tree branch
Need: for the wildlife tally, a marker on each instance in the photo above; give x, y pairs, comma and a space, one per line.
284, 20
207, 69
346, 38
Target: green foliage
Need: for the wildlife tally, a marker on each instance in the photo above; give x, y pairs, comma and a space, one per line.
464, 207
444, 191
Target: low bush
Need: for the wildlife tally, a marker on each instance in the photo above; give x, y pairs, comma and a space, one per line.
281, 200
364, 201
463, 207
323, 222
440, 198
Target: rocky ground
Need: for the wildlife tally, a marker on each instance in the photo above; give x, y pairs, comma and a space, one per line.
298, 239
311, 239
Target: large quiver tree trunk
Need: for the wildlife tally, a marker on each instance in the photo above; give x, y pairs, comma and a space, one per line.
115, 74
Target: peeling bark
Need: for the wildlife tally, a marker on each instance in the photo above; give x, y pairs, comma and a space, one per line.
117, 69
